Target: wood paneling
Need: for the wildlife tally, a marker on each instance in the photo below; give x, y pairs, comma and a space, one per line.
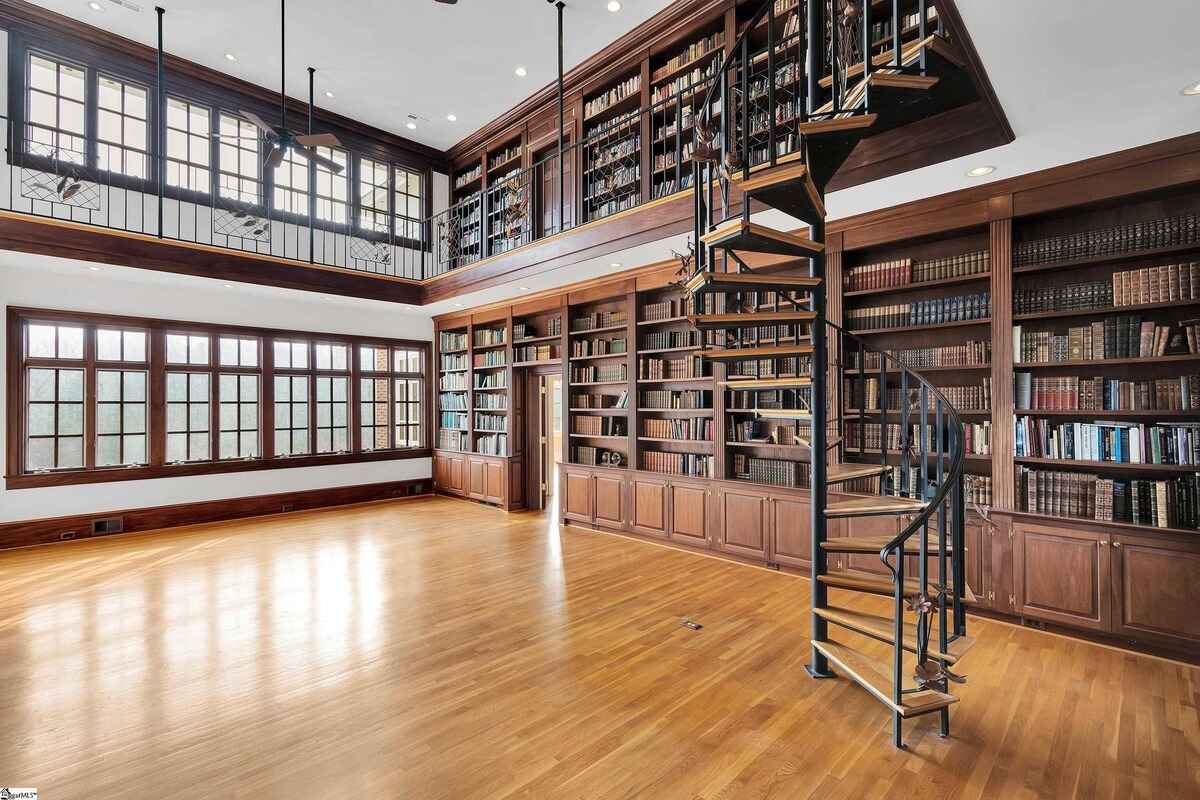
1156, 588
649, 506
745, 522
1002, 361
476, 478
578, 495
610, 501
690, 513
495, 482
791, 532
1063, 576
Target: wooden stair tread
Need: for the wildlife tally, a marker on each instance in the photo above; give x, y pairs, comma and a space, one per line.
788, 188
838, 124
908, 53
779, 351
748, 384
784, 413
836, 473
897, 80
871, 583
868, 506
875, 675
751, 237
749, 282
754, 320
873, 544
882, 629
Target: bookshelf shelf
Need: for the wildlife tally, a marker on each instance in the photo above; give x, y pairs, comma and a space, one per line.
598, 410
675, 380
1113, 258
896, 370
1101, 414
669, 350
912, 287
704, 442
490, 389
537, 363
1132, 527
1099, 312
536, 339
601, 383
598, 436
1110, 362
600, 357
695, 412
495, 346
666, 321
1107, 465
966, 323
606, 329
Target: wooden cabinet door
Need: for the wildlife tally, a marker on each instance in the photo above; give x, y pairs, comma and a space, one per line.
577, 495
1156, 589
476, 478
649, 507
495, 483
745, 522
791, 532
1062, 575
610, 501
690, 509
440, 473
974, 538
456, 474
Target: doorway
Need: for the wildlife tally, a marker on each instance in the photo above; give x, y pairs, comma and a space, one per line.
545, 438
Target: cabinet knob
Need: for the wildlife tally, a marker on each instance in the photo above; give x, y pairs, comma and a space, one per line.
1116, 544
1103, 542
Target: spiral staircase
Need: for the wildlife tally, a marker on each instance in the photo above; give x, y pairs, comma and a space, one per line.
746, 278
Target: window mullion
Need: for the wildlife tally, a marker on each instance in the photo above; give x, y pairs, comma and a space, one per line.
156, 425
89, 397
266, 398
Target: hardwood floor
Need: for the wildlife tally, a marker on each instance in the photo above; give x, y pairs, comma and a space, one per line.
435, 648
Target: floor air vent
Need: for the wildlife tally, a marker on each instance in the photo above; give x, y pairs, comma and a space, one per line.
101, 527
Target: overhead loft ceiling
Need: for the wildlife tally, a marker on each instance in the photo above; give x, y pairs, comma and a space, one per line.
382, 60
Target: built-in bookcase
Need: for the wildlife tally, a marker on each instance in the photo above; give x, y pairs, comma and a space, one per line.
1106, 372
508, 195
454, 392
490, 374
612, 147
600, 352
537, 338
928, 304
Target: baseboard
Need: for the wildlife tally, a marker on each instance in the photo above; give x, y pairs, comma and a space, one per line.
83, 526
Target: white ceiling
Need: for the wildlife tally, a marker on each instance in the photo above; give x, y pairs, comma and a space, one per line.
383, 59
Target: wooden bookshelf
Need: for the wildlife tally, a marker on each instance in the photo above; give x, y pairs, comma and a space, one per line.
600, 353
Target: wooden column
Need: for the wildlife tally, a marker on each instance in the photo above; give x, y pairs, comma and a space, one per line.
1002, 352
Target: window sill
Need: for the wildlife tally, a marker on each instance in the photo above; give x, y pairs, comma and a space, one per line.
114, 474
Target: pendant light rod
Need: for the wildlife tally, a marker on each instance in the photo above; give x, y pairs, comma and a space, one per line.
160, 121
282, 63
312, 72
562, 199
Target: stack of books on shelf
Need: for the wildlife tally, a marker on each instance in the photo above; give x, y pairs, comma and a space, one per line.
491, 401
761, 431
979, 490
1152, 235
492, 444
453, 382
771, 471
685, 399
613, 181
505, 155
905, 271
970, 354
616, 94
1071, 297
1120, 336
489, 336
864, 394
671, 308
1166, 283
701, 47
600, 373
599, 347
452, 439
600, 401
1171, 443
1170, 503
605, 156
692, 79
463, 178
1072, 393
977, 437
596, 457
534, 352
882, 31
490, 380
525, 330
697, 429
674, 368
453, 361
670, 340
771, 400
453, 401
493, 422
598, 319
600, 426
452, 419
490, 358
936, 311
448, 340
670, 186
790, 367
692, 464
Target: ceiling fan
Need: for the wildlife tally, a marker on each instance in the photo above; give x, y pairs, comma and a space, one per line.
279, 137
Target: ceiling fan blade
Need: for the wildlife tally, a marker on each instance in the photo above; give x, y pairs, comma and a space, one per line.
318, 140
259, 122
275, 158
312, 155
448, 2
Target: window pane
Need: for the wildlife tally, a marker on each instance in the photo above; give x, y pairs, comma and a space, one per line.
41, 341
108, 345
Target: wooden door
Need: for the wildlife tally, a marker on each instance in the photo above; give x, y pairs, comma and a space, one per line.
1062, 575
610, 501
577, 495
476, 478
495, 482
649, 506
791, 532
690, 512
745, 522
1156, 589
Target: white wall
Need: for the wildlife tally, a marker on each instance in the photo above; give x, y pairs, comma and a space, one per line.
53, 283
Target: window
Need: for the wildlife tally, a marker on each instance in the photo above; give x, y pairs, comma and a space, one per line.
372, 196
188, 145
333, 189
291, 184
407, 199
238, 160
121, 138
54, 109
85, 387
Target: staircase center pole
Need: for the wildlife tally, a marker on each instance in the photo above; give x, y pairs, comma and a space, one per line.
160, 122
562, 199
818, 666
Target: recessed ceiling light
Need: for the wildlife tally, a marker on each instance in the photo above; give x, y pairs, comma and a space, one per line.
615, 264
230, 57
94, 269
229, 286
329, 94
523, 288
979, 172
521, 72
458, 305
1191, 91
412, 126
94, 6
452, 117
614, 6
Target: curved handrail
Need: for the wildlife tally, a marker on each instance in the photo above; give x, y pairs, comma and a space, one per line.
737, 43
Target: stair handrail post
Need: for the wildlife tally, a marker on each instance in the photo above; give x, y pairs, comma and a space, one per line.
905, 422
834, 21
862, 398
898, 645
819, 665
897, 59
883, 416
922, 10
959, 559
866, 54
744, 142
770, 84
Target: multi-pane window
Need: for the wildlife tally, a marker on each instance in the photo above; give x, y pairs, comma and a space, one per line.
54, 109
121, 418
237, 351
54, 392
332, 397
333, 189
291, 184
291, 398
407, 390
189, 398
238, 160
407, 200
188, 145
373, 190
121, 127
390, 397
238, 416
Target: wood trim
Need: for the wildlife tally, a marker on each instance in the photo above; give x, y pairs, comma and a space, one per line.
135, 520
1001, 231
952, 20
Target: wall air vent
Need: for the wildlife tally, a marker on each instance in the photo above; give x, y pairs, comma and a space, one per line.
102, 527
